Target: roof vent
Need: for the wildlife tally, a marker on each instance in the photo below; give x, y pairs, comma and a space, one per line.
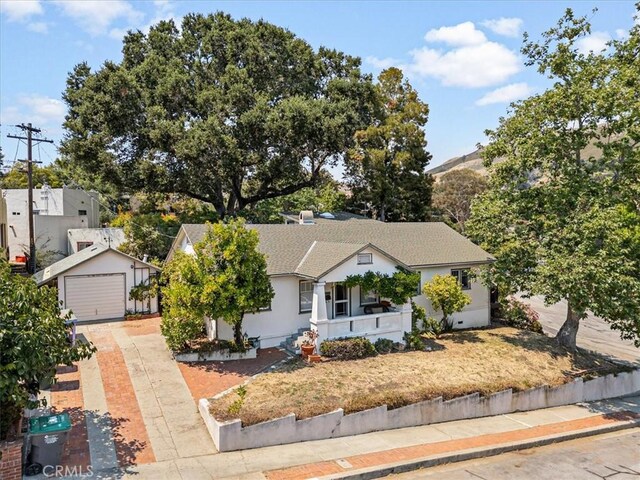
306, 217
328, 215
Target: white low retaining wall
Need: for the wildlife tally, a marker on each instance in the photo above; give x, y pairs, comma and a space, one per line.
217, 356
230, 435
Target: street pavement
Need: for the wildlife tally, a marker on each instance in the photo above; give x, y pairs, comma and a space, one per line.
593, 334
613, 456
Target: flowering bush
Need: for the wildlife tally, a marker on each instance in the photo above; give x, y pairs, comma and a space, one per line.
520, 315
310, 337
348, 348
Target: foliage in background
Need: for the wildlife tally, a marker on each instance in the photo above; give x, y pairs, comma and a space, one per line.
445, 294
398, 287
384, 345
226, 111
386, 169
453, 193
348, 348
326, 197
519, 315
33, 342
225, 279
562, 212
418, 316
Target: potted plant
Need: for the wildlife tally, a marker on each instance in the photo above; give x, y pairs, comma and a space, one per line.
309, 343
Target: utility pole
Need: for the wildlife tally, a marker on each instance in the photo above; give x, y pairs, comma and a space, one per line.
31, 264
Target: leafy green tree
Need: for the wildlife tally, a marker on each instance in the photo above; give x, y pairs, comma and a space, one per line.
17, 177
453, 193
225, 279
561, 214
33, 342
398, 288
227, 111
147, 234
386, 168
445, 294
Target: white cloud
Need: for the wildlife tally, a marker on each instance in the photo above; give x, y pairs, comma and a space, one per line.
96, 17
38, 27
20, 10
381, 63
38, 109
509, 27
596, 42
621, 33
458, 35
506, 94
474, 66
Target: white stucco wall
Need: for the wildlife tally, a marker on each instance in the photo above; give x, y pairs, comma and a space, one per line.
275, 325
4, 245
109, 237
58, 203
476, 314
106, 263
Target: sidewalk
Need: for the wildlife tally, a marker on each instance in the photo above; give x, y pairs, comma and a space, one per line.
390, 450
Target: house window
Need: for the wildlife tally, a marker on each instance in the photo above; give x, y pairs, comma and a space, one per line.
365, 258
15, 213
463, 278
368, 298
83, 245
306, 296
82, 212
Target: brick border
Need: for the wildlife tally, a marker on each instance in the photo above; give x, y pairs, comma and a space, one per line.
11, 460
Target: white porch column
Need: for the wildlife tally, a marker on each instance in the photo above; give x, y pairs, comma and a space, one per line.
319, 307
319, 317
406, 317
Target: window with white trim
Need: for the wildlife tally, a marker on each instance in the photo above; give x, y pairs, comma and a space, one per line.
306, 296
368, 298
365, 258
463, 278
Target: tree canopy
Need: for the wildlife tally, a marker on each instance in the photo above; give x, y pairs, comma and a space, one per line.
445, 294
226, 111
453, 193
385, 169
33, 342
225, 279
562, 214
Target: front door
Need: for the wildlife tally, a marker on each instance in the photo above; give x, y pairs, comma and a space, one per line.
340, 300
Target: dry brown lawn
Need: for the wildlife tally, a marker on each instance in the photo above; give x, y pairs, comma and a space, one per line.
461, 363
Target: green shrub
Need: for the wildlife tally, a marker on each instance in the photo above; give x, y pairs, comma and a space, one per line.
414, 340
418, 316
433, 327
518, 314
347, 348
384, 345
179, 332
236, 405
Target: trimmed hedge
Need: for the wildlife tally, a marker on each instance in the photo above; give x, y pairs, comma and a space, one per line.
347, 348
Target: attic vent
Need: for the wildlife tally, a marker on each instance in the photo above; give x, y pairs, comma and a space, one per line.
328, 215
306, 217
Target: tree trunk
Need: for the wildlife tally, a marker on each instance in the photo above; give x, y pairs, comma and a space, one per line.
237, 331
566, 336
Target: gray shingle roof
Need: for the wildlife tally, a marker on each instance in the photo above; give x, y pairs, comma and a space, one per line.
414, 244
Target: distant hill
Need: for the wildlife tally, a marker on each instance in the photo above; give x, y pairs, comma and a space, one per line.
471, 161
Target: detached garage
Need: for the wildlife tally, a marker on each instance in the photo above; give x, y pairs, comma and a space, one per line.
96, 283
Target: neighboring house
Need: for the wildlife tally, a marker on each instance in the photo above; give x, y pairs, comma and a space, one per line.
80, 238
56, 210
4, 241
308, 261
95, 283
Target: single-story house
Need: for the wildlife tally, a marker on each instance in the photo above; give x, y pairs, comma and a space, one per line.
96, 283
308, 262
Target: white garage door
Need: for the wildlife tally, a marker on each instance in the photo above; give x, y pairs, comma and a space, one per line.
95, 297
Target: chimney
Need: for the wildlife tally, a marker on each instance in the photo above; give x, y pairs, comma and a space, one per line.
306, 217
145, 258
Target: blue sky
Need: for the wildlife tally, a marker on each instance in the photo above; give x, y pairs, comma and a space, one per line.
462, 57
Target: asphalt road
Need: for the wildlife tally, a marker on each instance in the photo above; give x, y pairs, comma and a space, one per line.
614, 456
593, 334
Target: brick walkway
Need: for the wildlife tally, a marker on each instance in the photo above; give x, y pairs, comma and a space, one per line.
206, 379
66, 396
319, 469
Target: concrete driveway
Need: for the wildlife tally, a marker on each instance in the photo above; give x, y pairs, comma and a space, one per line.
131, 404
594, 333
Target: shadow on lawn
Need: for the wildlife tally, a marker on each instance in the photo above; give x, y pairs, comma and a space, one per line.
467, 336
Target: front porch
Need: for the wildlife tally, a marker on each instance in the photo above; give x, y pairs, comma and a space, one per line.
338, 311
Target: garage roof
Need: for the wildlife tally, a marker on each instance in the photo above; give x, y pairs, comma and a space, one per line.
67, 263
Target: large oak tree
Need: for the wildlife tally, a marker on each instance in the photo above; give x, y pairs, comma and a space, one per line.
225, 111
562, 213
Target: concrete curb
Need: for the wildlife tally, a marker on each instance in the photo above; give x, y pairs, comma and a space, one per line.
470, 454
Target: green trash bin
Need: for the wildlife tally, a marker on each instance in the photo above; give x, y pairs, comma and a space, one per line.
47, 436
